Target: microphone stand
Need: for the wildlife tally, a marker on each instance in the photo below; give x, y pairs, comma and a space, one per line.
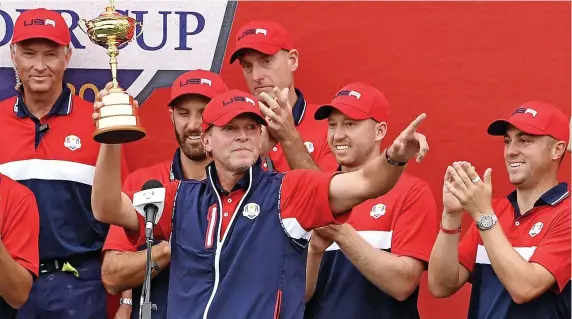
145, 305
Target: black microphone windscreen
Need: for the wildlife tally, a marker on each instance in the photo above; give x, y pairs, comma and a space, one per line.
151, 184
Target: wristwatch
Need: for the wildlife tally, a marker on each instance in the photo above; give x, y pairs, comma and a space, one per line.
126, 301
486, 222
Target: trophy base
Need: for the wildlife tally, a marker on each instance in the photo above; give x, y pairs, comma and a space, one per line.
119, 134
118, 122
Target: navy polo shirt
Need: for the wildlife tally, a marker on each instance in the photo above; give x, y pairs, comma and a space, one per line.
55, 158
541, 235
242, 254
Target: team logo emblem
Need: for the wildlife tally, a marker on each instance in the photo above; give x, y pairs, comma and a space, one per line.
536, 228
72, 142
309, 146
251, 210
377, 211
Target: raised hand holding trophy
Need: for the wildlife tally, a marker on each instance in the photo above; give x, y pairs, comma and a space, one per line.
118, 122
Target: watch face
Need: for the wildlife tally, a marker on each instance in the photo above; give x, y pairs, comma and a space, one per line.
486, 221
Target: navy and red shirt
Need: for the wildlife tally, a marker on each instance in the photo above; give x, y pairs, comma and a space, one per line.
19, 230
541, 235
402, 222
314, 135
55, 158
243, 254
165, 173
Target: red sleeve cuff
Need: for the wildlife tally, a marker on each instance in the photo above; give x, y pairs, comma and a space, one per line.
413, 254
119, 247
467, 263
559, 269
31, 267
137, 237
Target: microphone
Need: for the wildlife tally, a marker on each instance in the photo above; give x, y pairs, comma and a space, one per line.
149, 203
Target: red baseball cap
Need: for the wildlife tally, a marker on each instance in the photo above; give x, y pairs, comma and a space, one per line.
359, 101
535, 118
226, 106
263, 36
201, 82
41, 23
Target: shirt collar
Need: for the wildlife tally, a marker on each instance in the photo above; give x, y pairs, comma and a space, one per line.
176, 171
299, 108
63, 105
252, 177
551, 197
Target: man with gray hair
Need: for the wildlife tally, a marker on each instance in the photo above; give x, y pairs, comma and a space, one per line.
48, 147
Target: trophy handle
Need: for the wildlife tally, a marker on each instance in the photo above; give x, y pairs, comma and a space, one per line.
140, 30
80, 24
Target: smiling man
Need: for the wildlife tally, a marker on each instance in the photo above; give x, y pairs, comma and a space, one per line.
47, 145
369, 267
517, 252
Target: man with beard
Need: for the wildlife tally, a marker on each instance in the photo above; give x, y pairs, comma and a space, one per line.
123, 263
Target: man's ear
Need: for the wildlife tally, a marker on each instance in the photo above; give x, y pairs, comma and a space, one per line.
569, 142
380, 131
172, 114
293, 59
68, 55
206, 141
12, 52
558, 150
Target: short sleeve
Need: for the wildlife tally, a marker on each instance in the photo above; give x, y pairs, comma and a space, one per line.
415, 228
325, 159
163, 227
553, 252
468, 248
117, 240
21, 229
305, 203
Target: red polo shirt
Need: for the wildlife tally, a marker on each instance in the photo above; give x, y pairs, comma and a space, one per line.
542, 236
19, 223
402, 222
116, 238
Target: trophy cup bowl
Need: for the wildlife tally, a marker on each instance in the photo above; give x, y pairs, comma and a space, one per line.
118, 120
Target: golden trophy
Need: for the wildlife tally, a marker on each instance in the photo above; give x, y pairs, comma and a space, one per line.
118, 121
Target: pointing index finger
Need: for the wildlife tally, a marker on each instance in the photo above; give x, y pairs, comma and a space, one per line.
415, 124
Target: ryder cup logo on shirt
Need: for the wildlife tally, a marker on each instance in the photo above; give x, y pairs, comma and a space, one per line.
536, 228
72, 142
176, 36
251, 210
377, 211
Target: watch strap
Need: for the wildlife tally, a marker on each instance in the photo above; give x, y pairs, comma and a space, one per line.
392, 162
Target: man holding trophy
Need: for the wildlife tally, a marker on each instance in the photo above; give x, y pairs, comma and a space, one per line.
48, 146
